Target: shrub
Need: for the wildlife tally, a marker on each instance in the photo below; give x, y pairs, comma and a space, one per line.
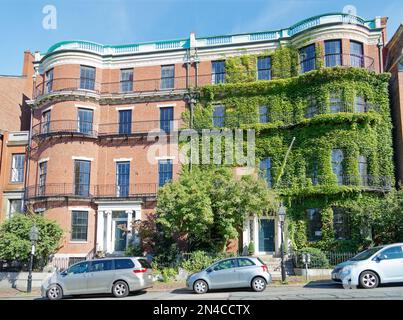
318, 258
197, 261
251, 248
168, 273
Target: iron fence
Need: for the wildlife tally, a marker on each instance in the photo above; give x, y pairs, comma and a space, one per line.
326, 260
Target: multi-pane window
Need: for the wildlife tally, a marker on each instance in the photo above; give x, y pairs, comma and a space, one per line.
85, 118
167, 77
263, 114
43, 168
49, 81
17, 168
363, 169
15, 207
79, 225
263, 68
356, 54
126, 80
125, 121
341, 227
82, 170
360, 105
307, 57
311, 108
219, 116
333, 55
46, 122
314, 172
337, 164
265, 171
164, 171
122, 179
314, 224
335, 103
166, 119
87, 78
217, 71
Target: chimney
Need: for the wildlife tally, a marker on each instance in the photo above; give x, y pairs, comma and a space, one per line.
28, 67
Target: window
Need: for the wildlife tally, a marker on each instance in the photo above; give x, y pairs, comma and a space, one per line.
218, 72
126, 80
87, 78
122, 179
79, 268
263, 114
49, 81
85, 118
244, 262
82, 171
104, 265
333, 55
340, 224
312, 108
356, 54
264, 68
265, 171
307, 58
46, 122
337, 164
145, 264
43, 167
15, 207
360, 105
219, 116
363, 170
392, 253
124, 264
166, 119
226, 264
314, 172
167, 77
314, 224
79, 225
17, 168
125, 121
164, 171
335, 103
400, 66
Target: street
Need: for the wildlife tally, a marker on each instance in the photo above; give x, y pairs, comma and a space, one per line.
322, 290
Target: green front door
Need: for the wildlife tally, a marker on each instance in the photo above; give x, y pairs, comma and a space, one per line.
266, 235
120, 235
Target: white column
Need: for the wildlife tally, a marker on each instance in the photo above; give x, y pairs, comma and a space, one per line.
100, 231
109, 230
245, 237
256, 233
129, 226
278, 236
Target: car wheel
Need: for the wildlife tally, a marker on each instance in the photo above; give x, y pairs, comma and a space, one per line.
369, 280
54, 292
120, 289
258, 284
200, 286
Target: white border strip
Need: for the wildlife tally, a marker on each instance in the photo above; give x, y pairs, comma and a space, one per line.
166, 105
82, 158
43, 160
122, 159
165, 158
124, 108
82, 106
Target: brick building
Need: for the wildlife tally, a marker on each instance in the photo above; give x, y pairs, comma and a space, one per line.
394, 65
14, 135
93, 167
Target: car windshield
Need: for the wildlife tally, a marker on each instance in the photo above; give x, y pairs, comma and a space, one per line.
365, 254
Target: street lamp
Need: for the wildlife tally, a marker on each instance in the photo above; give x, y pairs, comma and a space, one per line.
33, 236
281, 215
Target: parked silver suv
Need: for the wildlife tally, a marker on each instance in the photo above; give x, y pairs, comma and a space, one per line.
118, 275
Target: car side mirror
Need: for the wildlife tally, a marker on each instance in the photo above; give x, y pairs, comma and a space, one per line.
209, 270
379, 258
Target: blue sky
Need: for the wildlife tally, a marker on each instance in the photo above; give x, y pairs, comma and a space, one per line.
132, 21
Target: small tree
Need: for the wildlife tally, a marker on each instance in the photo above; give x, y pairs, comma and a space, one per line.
14, 237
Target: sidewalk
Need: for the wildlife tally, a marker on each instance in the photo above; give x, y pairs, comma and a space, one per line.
11, 292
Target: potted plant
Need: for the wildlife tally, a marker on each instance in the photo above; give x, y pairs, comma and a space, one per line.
251, 248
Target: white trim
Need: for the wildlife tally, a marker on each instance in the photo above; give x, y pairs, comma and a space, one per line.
166, 105
43, 160
47, 109
78, 209
124, 108
72, 241
165, 158
82, 106
70, 255
122, 159
82, 158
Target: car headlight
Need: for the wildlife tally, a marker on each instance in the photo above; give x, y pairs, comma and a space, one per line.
346, 270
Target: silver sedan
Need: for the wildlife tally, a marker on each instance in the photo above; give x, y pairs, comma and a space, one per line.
229, 273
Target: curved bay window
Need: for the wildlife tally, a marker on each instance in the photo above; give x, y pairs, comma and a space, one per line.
307, 56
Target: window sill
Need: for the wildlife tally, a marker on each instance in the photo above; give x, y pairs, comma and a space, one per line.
77, 241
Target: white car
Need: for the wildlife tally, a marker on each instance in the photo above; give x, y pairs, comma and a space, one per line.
383, 264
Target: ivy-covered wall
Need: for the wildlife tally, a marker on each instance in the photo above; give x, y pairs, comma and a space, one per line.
356, 133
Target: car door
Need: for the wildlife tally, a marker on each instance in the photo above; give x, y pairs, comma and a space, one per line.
224, 274
75, 278
391, 263
100, 276
246, 269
